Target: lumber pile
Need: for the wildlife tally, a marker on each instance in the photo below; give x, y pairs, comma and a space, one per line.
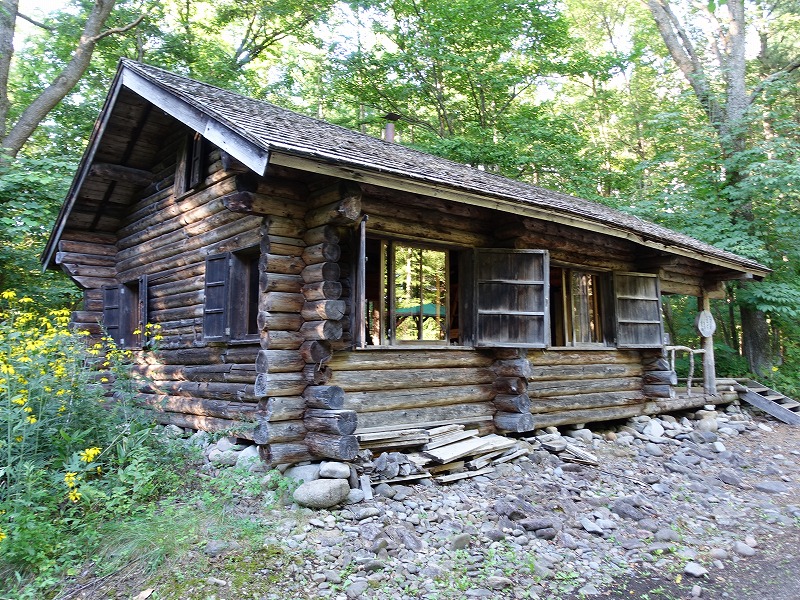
455, 453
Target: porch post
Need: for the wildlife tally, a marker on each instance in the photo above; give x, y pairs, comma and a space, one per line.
706, 327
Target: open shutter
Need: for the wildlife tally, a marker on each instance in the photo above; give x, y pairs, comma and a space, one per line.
359, 305
215, 311
142, 314
638, 310
511, 298
196, 159
111, 312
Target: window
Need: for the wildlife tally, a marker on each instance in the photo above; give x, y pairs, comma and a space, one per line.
415, 293
410, 294
125, 312
231, 303
191, 164
578, 307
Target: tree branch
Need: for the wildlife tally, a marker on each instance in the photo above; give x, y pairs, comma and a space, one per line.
117, 30
34, 22
790, 68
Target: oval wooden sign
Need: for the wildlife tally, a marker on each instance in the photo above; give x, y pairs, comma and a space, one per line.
705, 323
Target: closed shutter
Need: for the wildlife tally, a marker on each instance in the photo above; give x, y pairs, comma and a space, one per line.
638, 310
141, 339
111, 312
511, 298
215, 321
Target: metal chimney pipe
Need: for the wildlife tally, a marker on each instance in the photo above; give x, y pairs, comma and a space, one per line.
390, 121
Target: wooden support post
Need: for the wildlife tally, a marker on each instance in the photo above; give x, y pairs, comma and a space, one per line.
709, 364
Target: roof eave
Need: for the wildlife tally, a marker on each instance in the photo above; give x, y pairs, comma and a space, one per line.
437, 189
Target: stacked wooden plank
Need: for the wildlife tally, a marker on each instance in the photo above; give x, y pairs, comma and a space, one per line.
455, 453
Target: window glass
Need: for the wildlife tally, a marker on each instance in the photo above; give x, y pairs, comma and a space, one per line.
420, 294
576, 307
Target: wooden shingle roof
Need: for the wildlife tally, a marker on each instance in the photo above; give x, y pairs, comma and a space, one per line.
258, 133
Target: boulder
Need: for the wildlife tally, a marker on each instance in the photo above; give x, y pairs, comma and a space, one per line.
322, 493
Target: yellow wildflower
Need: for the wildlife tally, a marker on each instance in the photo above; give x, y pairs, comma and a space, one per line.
104, 380
27, 409
31, 419
70, 478
18, 439
7, 369
74, 495
2, 535
8, 295
90, 454
26, 300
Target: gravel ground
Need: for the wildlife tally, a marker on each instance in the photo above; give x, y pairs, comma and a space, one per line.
705, 506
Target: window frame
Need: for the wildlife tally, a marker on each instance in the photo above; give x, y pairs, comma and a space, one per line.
237, 274
125, 312
602, 306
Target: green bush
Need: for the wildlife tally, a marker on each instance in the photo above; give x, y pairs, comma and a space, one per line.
75, 453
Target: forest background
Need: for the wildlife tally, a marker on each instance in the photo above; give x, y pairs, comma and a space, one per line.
684, 113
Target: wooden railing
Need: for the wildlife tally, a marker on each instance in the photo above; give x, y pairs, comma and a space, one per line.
673, 350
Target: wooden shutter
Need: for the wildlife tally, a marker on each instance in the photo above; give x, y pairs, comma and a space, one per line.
142, 314
196, 161
360, 293
638, 310
215, 311
111, 311
511, 298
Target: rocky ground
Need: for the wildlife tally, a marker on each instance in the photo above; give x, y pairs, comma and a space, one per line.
701, 505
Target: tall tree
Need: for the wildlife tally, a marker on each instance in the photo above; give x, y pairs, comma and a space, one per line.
713, 61
13, 136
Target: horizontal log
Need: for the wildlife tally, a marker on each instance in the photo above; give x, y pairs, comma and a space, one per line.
321, 330
424, 417
542, 389
370, 359
667, 377
520, 403
281, 321
77, 258
578, 357
324, 396
336, 422
316, 374
346, 208
316, 351
318, 310
322, 290
434, 231
584, 371
273, 339
357, 381
658, 391
279, 263
322, 234
267, 432
269, 204
582, 401
136, 177
280, 282
591, 415
518, 367
382, 400
237, 411
338, 447
510, 385
103, 272
283, 408
86, 247
516, 422
655, 363
284, 454
236, 392
192, 356
322, 252
284, 302
279, 384
326, 271
279, 361
286, 226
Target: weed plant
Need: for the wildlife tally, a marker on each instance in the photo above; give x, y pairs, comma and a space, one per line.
75, 453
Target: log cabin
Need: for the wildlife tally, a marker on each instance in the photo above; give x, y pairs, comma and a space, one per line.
312, 283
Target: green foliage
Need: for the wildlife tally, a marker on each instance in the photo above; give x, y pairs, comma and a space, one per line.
31, 191
71, 459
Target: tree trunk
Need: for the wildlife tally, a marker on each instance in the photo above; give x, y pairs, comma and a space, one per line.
14, 138
8, 16
756, 342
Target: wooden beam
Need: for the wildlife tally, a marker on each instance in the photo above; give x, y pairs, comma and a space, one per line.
137, 177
